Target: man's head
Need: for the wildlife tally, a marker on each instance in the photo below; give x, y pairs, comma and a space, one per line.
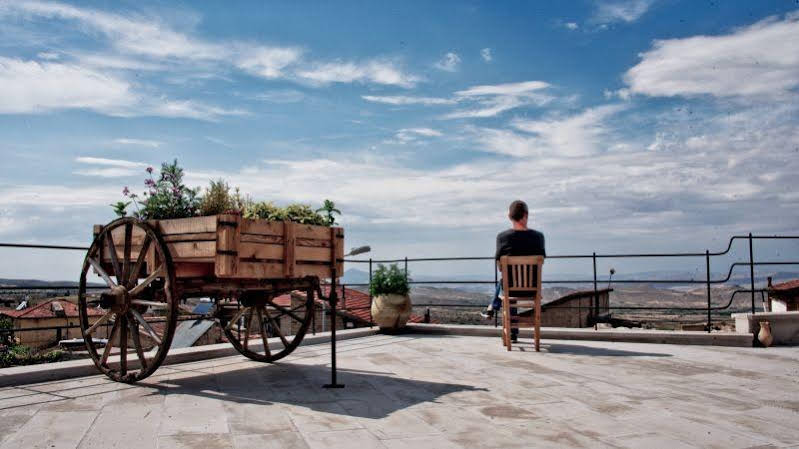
518, 213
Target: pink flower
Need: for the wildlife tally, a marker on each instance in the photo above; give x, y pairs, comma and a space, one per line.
149, 183
150, 170
126, 191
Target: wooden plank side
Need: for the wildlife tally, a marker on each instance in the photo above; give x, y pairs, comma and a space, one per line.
261, 227
277, 252
184, 270
192, 225
228, 233
289, 250
337, 240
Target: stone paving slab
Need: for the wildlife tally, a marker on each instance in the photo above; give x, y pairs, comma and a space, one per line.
429, 391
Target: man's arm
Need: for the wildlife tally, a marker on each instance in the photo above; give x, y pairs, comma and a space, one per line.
543, 246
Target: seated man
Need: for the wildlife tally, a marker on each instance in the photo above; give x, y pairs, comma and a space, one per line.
516, 241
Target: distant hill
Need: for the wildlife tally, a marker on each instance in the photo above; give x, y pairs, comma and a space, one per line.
39, 283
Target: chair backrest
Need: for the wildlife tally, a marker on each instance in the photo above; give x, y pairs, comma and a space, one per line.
521, 274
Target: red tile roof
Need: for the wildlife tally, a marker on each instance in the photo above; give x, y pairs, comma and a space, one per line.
790, 285
45, 310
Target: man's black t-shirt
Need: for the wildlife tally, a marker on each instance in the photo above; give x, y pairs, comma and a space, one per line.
520, 243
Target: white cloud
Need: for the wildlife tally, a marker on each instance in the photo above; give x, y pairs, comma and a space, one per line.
405, 100
145, 36
427, 132
408, 135
281, 96
492, 100
269, 62
48, 55
486, 55
31, 87
374, 71
752, 61
622, 94
504, 89
156, 45
449, 62
191, 109
138, 142
109, 168
573, 136
620, 11
571, 25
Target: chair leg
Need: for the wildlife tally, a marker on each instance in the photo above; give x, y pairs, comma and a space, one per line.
537, 323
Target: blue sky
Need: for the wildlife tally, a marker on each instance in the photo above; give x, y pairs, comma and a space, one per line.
637, 125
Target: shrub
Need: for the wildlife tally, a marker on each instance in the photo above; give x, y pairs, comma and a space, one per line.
23, 355
389, 280
302, 213
165, 198
299, 213
265, 210
219, 200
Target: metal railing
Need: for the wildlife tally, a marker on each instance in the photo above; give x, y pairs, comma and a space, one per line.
708, 281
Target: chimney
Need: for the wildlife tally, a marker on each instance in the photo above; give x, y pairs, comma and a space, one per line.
57, 309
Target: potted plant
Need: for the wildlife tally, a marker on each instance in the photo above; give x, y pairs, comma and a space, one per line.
391, 305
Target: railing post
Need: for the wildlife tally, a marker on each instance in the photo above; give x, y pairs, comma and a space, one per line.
707, 265
596, 295
752, 272
371, 319
406, 268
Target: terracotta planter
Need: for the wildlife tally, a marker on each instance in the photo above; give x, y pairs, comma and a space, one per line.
764, 336
391, 312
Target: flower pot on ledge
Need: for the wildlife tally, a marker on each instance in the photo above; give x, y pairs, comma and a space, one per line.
391, 312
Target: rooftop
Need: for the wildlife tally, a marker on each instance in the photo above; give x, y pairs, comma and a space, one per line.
437, 391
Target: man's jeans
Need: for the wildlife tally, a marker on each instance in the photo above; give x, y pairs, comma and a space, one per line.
496, 305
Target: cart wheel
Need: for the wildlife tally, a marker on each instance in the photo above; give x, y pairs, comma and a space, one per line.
261, 316
135, 290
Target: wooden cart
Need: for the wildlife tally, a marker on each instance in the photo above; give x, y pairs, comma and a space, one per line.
241, 264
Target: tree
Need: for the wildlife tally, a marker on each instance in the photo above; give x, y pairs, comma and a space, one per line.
330, 208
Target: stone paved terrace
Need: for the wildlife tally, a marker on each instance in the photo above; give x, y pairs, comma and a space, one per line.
425, 391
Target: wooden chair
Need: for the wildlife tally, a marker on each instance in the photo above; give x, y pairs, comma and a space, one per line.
521, 286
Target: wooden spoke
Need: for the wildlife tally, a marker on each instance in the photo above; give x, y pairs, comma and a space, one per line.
143, 302
276, 327
126, 257
236, 318
263, 330
134, 334
98, 323
284, 310
282, 314
148, 330
247, 330
109, 344
99, 270
136, 291
134, 274
123, 344
109, 240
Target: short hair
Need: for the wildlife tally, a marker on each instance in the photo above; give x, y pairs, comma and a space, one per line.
517, 210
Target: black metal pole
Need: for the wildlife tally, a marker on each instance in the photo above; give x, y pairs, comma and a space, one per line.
752, 272
371, 319
333, 299
707, 264
596, 296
